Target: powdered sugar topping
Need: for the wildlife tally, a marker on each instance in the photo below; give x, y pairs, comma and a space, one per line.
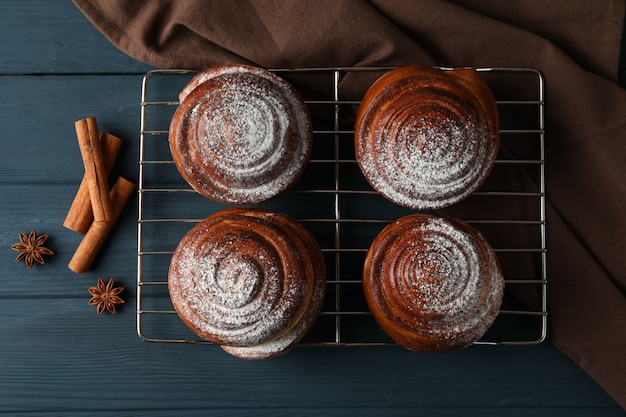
237, 287
437, 278
243, 136
423, 147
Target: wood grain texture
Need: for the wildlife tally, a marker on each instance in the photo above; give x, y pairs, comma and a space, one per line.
38, 138
75, 360
57, 357
41, 37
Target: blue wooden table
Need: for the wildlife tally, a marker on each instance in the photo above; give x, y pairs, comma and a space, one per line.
58, 357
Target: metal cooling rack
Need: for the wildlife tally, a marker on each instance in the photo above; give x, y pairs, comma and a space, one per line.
344, 213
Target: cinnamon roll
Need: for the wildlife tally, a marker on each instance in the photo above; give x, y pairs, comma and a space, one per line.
241, 135
427, 138
252, 281
433, 284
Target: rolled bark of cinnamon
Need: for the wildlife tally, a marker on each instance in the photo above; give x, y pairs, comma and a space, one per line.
80, 214
93, 159
99, 230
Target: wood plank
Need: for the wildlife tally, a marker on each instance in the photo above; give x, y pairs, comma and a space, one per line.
38, 114
326, 412
41, 169
75, 360
43, 208
330, 412
39, 37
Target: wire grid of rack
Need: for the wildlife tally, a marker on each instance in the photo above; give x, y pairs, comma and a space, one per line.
344, 213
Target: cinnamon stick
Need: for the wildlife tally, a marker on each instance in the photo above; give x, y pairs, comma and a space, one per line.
98, 231
93, 159
80, 214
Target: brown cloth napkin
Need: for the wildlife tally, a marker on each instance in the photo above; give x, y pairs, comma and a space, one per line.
575, 43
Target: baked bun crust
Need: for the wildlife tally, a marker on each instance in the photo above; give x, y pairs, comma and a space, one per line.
250, 280
427, 138
241, 135
433, 284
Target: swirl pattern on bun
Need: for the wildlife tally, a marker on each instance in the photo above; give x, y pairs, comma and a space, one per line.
241, 135
427, 138
433, 284
252, 281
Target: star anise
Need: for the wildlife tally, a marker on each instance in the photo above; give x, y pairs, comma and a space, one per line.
105, 297
31, 248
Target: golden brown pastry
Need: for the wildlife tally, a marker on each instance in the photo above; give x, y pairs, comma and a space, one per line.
427, 138
433, 284
252, 281
241, 135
